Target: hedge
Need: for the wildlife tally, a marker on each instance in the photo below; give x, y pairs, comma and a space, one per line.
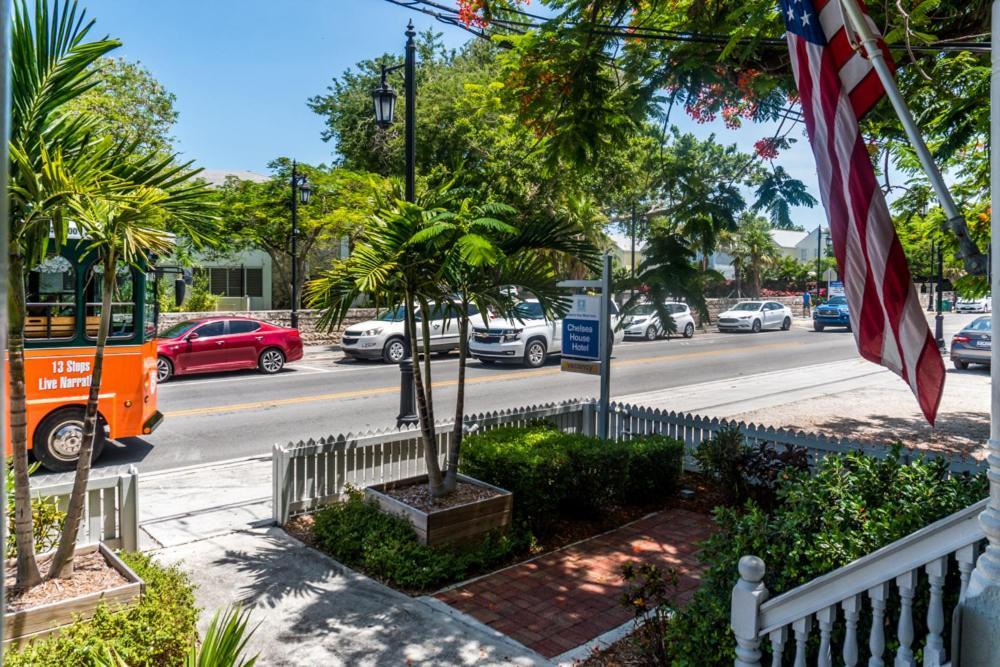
554, 474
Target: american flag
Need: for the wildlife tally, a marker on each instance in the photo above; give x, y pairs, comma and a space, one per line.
837, 86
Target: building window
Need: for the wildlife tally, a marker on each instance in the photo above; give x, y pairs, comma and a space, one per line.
236, 281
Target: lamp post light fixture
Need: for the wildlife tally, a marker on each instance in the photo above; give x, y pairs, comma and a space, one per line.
384, 102
301, 191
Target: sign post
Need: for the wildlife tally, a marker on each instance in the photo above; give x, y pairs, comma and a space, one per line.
587, 338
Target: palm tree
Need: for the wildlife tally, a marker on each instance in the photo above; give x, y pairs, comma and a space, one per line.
752, 249
777, 193
668, 272
483, 255
458, 254
51, 65
122, 230
395, 267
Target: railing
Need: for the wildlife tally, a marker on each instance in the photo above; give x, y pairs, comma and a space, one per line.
111, 510
837, 601
310, 474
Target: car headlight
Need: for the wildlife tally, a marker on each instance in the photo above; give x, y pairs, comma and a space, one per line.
372, 332
745, 317
639, 320
511, 334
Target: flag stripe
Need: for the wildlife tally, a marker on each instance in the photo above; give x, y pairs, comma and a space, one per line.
837, 85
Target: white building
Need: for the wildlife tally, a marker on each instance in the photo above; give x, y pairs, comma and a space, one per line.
798, 245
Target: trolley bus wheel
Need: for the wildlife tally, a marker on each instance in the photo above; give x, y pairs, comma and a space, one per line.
59, 436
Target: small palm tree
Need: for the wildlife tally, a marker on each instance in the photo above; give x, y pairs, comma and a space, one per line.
752, 249
122, 230
51, 65
446, 252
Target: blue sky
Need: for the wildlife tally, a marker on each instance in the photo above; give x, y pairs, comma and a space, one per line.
242, 71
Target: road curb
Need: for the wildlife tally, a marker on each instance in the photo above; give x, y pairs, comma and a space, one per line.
225, 463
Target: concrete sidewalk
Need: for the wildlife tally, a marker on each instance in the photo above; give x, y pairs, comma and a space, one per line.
215, 524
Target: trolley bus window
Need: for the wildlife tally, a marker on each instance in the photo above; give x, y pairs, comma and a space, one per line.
51, 300
122, 302
149, 312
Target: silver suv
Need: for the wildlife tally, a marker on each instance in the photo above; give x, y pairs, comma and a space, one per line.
382, 338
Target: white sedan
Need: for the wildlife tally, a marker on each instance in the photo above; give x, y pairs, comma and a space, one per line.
755, 316
644, 321
983, 305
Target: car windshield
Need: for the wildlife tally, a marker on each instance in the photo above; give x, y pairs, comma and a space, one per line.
396, 315
178, 329
981, 324
747, 305
645, 309
528, 310
838, 301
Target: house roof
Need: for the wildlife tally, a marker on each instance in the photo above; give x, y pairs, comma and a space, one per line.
787, 238
217, 177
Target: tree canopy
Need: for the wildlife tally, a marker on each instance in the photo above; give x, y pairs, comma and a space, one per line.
130, 105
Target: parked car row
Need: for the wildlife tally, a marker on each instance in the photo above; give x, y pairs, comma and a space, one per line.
983, 305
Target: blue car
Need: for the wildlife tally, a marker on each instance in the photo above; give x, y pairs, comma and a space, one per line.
833, 313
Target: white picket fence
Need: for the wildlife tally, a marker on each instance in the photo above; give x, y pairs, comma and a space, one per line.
312, 473
111, 511
838, 601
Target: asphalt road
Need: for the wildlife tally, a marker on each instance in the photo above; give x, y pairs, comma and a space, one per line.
217, 417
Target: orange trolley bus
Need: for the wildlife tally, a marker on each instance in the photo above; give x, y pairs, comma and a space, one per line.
63, 310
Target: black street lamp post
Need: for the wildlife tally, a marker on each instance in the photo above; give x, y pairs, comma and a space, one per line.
300, 192
384, 98
938, 317
930, 281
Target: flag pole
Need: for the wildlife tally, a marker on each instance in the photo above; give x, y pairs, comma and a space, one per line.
980, 608
975, 261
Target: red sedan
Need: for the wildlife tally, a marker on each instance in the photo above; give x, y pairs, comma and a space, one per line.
225, 344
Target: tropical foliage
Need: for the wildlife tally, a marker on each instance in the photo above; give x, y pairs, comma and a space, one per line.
444, 250
62, 166
258, 214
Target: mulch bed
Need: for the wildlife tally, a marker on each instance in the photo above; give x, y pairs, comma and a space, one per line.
704, 499
91, 574
623, 653
418, 495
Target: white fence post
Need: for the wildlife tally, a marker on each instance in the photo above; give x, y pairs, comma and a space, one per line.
748, 594
128, 509
278, 490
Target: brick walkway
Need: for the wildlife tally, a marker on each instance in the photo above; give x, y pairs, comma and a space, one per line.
566, 598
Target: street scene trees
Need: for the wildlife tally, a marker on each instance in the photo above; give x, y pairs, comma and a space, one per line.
755, 231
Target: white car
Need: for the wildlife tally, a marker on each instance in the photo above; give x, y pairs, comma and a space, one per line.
382, 338
755, 316
983, 305
528, 338
644, 322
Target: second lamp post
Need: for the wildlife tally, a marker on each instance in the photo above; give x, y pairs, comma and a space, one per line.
384, 98
300, 192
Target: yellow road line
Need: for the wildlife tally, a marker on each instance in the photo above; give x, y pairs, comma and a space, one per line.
515, 375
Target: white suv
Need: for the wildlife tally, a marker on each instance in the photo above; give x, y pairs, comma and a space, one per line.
382, 338
528, 338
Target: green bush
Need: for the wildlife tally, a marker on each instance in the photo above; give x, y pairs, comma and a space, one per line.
654, 468
852, 505
46, 517
156, 632
357, 533
554, 474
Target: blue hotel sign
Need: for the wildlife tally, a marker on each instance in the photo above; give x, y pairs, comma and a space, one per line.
581, 330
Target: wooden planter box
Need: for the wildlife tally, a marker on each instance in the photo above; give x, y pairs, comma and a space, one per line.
459, 524
36, 622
